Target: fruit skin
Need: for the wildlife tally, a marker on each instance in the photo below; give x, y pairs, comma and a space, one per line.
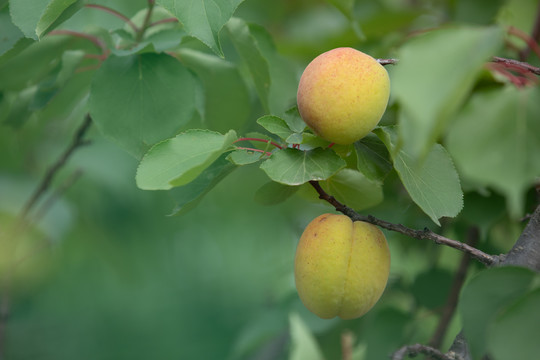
341, 267
343, 94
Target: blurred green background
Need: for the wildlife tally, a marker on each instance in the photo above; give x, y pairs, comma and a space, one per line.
107, 274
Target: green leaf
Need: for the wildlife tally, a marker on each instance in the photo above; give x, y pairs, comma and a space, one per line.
227, 102
294, 120
523, 316
244, 157
275, 125
295, 138
246, 45
24, 69
481, 12
428, 96
283, 74
484, 296
387, 329
351, 187
309, 141
26, 15
345, 6
373, 159
10, 33
139, 100
70, 98
203, 19
273, 193
55, 13
295, 167
433, 185
303, 343
180, 160
16, 109
495, 141
49, 87
20, 45
157, 38
189, 195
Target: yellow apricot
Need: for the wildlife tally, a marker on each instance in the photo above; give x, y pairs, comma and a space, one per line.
343, 94
341, 267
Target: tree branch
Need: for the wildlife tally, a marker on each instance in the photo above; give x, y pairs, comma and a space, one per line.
416, 349
425, 234
526, 250
148, 16
452, 301
519, 64
22, 221
51, 172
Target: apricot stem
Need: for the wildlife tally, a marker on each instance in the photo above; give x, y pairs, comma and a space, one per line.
260, 140
146, 21
94, 39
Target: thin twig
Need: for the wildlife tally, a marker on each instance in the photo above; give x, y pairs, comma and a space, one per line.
52, 171
451, 303
347, 344
95, 40
22, 222
260, 140
416, 349
43, 209
425, 234
163, 21
519, 64
146, 22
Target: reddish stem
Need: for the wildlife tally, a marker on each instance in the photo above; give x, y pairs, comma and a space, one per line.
163, 21
514, 64
260, 140
95, 40
531, 43
518, 81
87, 68
115, 13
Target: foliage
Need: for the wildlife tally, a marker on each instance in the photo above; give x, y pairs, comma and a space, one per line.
195, 101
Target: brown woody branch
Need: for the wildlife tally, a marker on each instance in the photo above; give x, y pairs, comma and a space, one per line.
417, 349
53, 170
449, 309
425, 234
23, 219
526, 67
518, 64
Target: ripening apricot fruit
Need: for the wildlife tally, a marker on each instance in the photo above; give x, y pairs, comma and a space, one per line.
341, 267
343, 94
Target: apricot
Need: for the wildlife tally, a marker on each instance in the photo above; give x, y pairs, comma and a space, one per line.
341, 267
343, 94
